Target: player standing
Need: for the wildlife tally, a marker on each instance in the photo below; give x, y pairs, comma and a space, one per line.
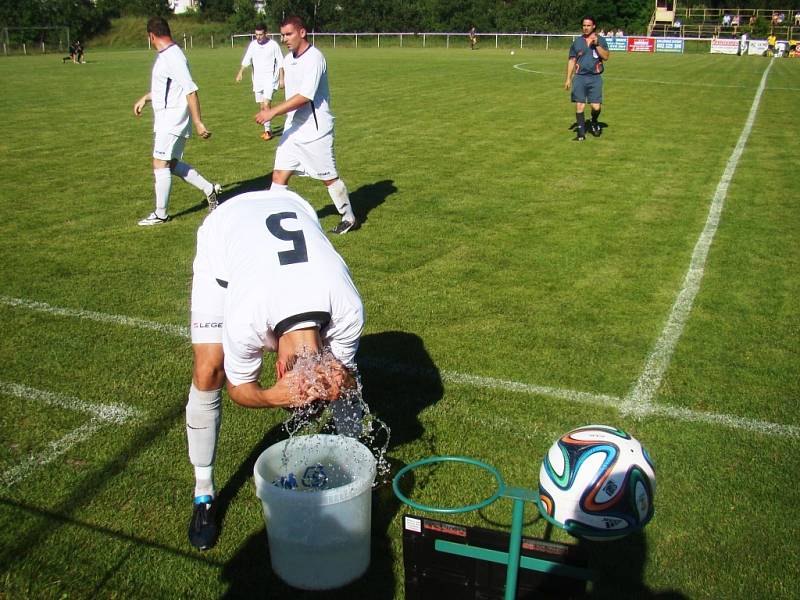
586, 57
174, 98
306, 146
267, 59
266, 278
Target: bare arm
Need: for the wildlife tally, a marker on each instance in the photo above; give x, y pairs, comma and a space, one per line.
570, 70
140, 104
239, 74
194, 109
289, 105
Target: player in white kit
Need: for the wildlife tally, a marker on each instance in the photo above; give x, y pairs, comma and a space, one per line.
267, 59
173, 95
306, 146
266, 279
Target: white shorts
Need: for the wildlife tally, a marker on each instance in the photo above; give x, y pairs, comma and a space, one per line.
208, 297
313, 159
264, 95
167, 146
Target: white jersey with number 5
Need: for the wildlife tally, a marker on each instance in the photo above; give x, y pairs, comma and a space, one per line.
280, 270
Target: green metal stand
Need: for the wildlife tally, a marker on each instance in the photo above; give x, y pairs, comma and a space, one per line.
510, 558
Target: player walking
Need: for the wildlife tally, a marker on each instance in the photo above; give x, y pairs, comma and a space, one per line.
307, 143
586, 57
266, 278
267, 60
174, 98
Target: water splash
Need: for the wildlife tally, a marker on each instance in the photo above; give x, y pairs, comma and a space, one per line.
347, 415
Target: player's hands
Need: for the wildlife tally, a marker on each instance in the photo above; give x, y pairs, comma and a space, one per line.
202, 131
238, 77
263, 116
568, 83
139, 106
326, 382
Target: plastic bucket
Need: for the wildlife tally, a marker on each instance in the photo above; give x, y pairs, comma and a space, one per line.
318, 530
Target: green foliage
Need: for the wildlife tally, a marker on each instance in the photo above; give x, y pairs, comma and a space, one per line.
216, 10
244, 17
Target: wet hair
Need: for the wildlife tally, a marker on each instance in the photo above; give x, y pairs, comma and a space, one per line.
293, 20
159, 27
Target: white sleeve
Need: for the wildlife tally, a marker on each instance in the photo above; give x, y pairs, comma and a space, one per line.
248, 55
312, 73
244, 353
178, 69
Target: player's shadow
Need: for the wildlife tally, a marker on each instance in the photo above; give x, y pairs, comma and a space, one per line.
364, 200
618, 568
399, 380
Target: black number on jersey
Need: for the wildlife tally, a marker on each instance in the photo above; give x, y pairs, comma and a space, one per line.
299, 254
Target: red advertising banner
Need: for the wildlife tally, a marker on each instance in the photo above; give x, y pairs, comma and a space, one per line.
641, 44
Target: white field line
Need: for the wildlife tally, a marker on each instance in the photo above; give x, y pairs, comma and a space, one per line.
638, 402
101, 415
521, 67
456, 378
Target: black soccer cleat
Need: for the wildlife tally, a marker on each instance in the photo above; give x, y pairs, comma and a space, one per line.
596, 129
345, 226
202, 528
579, 138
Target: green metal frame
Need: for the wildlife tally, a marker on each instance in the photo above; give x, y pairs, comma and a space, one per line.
512, 558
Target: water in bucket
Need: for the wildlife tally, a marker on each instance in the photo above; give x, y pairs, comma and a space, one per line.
319, 535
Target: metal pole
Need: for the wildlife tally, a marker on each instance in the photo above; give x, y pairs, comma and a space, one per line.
212, 41
514, 545
423, 40
24, 49
191, 41
496, 41
448, 41
379, 40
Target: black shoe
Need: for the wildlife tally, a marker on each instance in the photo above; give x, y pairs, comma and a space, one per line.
345, 226
596, 129
202, 528
579, 138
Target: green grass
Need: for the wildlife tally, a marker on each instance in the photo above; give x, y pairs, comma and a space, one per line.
492, 246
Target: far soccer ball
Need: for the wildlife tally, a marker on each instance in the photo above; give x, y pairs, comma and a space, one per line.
598, 483
512, 53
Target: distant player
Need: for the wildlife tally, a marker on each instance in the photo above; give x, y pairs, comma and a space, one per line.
473, 38
586, 57
306, 146
174, 98
265, 55
266, 279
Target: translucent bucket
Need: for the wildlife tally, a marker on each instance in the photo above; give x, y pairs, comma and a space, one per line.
318, 519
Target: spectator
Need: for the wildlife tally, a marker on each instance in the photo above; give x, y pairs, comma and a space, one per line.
726, 20
619, 33
797, 18
735, 20
78, 58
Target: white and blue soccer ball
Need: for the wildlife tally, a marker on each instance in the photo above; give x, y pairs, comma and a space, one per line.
597, 482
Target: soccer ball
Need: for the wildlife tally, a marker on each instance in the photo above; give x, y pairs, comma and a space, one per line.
512, 53
598, 483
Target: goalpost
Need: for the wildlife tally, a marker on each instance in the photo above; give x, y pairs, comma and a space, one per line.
35, 40
236, 36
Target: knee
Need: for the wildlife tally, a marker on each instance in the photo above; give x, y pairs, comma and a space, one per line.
208, 375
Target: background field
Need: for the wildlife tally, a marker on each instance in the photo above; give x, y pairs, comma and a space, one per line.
515, 285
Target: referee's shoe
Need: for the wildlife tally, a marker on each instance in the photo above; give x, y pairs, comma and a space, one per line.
202, 528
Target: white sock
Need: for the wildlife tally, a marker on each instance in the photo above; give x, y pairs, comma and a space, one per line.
338, 193
191, 176
278, 187
267, 125
203, 416
163, 186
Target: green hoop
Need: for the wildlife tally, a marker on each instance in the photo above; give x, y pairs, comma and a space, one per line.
501, 486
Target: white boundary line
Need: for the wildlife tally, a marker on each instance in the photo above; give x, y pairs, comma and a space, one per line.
456, 378
101, 415
639, 401
520, 67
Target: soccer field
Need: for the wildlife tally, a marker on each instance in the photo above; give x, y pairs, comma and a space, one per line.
516, 284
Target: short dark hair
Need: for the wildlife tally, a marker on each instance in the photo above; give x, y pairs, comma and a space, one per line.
260, 27
159, 27
589, 18
293, 20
